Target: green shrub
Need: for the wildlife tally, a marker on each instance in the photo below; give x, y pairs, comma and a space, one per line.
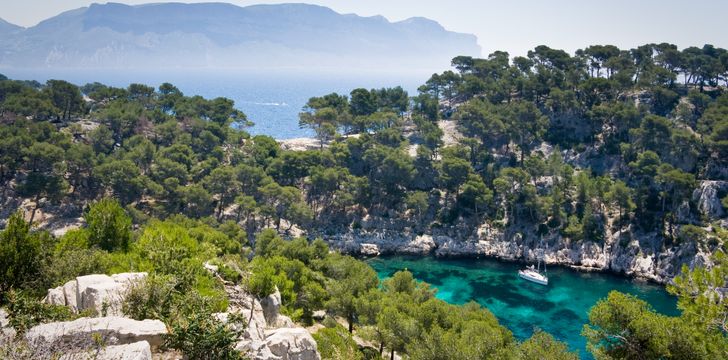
20, 255
201, 336
337, 344
109, 226
25, 311
152, 298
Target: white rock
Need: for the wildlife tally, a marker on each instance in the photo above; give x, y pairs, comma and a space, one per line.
211, 268
55, 296
113, 330
292, 344
271, 307
102, 294
368, 249
134, 351
70, 291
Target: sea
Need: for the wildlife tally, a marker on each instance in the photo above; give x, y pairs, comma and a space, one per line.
272, 99
561, 308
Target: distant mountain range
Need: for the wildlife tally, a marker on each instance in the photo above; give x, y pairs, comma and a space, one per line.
173, 35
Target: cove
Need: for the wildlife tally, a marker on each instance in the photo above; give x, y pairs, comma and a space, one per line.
561, 308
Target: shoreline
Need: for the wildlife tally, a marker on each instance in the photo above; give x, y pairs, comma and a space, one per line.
576, 268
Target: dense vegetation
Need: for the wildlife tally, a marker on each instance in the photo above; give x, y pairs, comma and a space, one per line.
553, 144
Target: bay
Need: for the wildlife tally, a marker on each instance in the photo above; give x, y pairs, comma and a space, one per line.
272, 99
561, 308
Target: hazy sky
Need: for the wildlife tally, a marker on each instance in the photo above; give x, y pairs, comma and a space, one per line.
512, 25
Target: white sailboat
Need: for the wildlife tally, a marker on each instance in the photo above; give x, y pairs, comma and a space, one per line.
535, 274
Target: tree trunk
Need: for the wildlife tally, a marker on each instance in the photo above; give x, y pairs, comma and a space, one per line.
381, 348
35, 208
252, 308
350, 319
391, 355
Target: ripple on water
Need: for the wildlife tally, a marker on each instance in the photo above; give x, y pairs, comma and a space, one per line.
560, 308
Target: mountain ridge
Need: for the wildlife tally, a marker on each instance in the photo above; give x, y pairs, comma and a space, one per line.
226, 35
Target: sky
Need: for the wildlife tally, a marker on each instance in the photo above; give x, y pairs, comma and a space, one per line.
515, 26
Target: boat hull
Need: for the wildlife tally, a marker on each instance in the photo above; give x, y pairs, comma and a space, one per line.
537, 278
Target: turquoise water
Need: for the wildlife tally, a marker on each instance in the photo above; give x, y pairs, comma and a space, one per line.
560, 308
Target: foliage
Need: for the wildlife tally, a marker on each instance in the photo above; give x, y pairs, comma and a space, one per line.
202, 336
109, 227
20, 255
337, 344
26, 311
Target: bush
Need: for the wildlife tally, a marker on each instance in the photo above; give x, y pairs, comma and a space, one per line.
109, 226
20, 255
69, 264
337, 344
152, 298
201, 336
25, 312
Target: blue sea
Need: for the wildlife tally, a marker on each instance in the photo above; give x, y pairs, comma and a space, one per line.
561, 308
271, 99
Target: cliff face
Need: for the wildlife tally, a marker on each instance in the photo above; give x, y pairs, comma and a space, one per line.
625, 249
621, 252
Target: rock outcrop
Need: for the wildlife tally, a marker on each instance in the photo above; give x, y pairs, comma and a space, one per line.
292, 344
268, 334
100, 294
135, 351
7, 333
85, 333
707, 197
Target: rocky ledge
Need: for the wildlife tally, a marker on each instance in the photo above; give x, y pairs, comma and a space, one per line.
626, 251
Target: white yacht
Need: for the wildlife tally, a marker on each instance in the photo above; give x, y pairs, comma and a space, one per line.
534, 274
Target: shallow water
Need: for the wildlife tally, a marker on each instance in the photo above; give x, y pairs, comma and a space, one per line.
560, 308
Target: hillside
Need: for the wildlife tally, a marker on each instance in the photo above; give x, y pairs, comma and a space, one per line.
224, 35
599, 160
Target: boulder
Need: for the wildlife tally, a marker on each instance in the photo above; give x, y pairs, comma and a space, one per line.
70, 292
101, 294
271, 307
134, 351
292, 344
83, 332
55, 296
367, 249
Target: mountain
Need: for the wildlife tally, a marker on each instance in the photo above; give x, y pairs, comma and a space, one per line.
224, 35
7, 28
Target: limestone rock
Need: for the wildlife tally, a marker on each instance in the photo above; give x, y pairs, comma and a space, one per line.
271, 307
134, 351
102, 294
368, 249
81, 333
55, 296
708, 200
70, 292
292, 344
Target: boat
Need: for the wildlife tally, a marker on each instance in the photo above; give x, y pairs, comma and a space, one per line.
535, 274
532, 274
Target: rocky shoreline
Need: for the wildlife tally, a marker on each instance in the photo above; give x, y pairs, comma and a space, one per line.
620, 253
